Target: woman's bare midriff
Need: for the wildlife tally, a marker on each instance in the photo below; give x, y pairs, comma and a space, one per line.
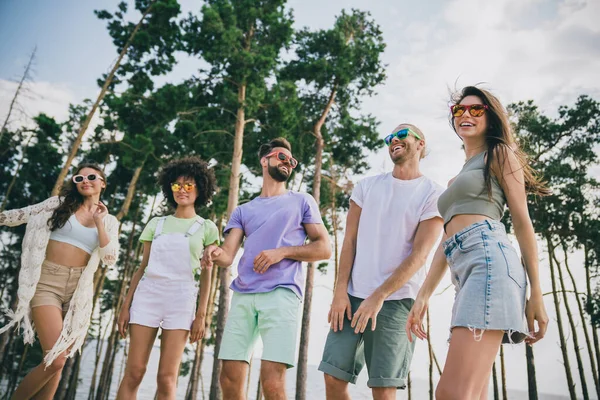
66, 254
461, 221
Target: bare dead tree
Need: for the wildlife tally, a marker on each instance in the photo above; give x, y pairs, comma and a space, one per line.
25, 78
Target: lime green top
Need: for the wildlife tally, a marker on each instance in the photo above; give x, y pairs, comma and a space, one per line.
207, 234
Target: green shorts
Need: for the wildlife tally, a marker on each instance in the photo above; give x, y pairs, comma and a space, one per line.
272, 315
386, 351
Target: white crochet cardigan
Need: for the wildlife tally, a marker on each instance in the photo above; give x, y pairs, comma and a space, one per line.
37, 234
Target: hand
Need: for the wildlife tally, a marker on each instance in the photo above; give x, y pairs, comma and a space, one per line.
211, 252
536, 311
340, 307
123, 322
368, 309
197, 330
100, 212
414, 320
266, 258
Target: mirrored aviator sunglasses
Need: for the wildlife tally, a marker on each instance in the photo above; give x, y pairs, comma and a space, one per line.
90, 178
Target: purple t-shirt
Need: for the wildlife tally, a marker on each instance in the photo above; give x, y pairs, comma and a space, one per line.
269, 223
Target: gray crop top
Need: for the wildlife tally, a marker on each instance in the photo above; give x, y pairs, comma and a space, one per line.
468, 194
76, 234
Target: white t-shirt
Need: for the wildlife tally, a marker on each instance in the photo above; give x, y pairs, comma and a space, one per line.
391, 211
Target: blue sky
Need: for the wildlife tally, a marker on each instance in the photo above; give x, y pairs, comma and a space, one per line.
548, 51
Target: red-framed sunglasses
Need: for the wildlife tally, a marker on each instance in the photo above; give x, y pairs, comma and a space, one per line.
476, 110
281, 156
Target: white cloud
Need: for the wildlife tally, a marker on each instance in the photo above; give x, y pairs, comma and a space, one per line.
50, 98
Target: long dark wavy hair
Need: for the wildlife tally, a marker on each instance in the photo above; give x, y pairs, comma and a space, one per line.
500, 141
71, 199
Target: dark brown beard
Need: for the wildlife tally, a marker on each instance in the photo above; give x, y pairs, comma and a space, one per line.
277, 174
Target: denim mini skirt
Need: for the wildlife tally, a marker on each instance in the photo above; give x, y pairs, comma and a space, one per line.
490, 282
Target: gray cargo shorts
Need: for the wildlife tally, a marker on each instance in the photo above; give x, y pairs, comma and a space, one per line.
386, 351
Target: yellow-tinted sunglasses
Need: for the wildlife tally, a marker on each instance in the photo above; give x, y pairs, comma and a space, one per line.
188, 187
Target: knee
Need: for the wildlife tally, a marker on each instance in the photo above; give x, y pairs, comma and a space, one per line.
57, 365
167, 382
445, 392
229, 379
333, 383
134, 375
273, 385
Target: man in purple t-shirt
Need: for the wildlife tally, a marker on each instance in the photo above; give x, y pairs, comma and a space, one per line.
268, 288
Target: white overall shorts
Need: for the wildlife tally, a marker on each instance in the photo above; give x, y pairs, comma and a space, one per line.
167, 293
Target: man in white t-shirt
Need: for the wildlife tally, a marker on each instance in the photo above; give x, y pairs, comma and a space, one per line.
392, 225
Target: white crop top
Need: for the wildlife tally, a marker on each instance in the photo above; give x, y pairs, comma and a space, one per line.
76, 234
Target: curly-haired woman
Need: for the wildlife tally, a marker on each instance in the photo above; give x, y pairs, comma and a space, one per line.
163, 291
491, 304
65, 240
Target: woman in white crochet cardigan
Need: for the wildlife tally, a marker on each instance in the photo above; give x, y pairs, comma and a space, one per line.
65, 240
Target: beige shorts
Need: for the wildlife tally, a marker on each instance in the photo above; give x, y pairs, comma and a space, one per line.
56, 285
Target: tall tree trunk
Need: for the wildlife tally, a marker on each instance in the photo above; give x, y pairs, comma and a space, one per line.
196, 375
72, 392
430, 351
409, 387
88, 119
16, 373
495, 382
531, 381
130, 192
8, 336
259, 391
334, 223
588, 287
574, 334
192, 387
97, 354
61, 392
561, 334
503, 374
15, 175
301, 375
437, 364
232, 202
67, 388
583, 320
24, 78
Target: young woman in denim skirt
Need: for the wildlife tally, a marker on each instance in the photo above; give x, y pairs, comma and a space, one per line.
491, 305
164, 290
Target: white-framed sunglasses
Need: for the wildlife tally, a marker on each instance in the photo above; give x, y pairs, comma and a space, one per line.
90, 177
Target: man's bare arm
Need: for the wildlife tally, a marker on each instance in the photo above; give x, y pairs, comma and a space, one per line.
318, 249
428, 232
224, 255
340, 306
